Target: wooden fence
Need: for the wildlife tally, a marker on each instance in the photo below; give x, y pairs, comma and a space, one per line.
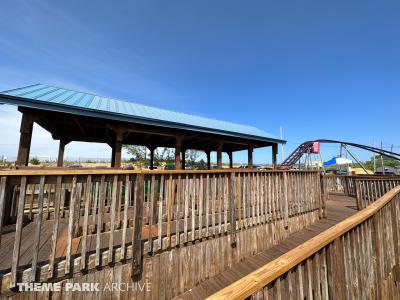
340, 184
62, 222
368, 190
355, 259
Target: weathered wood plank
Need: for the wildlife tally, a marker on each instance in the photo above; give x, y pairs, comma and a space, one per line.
18, 232
88, 195
55, 225
127, 196
38, 226
99, 227
137, 229
112, 225
3, 183
70, 225
232, 198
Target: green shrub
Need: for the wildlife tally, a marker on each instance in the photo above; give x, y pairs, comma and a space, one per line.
35, 161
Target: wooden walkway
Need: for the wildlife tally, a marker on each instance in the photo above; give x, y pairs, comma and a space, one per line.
338, 209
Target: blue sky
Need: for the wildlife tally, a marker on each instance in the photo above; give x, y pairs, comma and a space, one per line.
320, 69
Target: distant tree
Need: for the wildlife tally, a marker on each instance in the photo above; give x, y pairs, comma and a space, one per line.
161, 154
191, 158
139, 153
192, 155
142, 153
387, 162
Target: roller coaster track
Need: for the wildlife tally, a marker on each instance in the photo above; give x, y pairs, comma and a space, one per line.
306, 147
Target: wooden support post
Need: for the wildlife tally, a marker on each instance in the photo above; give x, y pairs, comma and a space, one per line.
61, 148
178, 146
324, 197
118, 153
25, 139
208, 153
230, 159
274, 155
151, 158
183, 159
219, 156
112, 156
250, 157
117, 148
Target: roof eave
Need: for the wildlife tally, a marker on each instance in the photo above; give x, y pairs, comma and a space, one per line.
25, 102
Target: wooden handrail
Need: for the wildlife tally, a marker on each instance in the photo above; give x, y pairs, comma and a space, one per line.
45, 172
256, 280
379, 178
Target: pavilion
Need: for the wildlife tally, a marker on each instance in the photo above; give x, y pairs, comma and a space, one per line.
79, 116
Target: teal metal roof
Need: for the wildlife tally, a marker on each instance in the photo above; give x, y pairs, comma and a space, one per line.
42, 96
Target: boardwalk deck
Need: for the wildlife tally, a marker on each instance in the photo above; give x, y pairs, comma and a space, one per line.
338, 208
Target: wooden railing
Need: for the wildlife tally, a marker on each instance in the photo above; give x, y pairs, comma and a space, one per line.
60, 222
339, 184
355, 259
346, 185
370, 189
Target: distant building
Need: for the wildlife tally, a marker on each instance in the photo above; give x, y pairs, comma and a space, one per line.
388, 170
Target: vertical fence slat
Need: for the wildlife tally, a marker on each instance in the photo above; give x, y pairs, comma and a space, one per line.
18, 231
125, 219
151, 204
245, 200
178, 213
186, 209
38, 226
48, 202
112, 220
220, 202
201, 203
207, 199
395, 232
137, 228
193, 204
160, 212
3, 183
214, 200
99, 227
169, 204
55, 225
72, 205
232, 198
88, 195
31, 199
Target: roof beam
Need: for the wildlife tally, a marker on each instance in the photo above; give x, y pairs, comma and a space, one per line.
79, 125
